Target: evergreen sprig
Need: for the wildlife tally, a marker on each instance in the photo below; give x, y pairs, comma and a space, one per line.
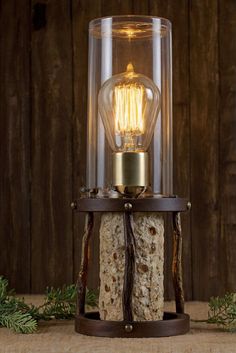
15, 314
20, 317
3, 288
19, 322
222, 311
60, 303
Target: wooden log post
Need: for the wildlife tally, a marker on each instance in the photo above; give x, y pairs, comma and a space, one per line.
146, 238
177, 263
129, 268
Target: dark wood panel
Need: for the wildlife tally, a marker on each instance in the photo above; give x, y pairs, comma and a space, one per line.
227, 168
116, 7
178, 13
204, 86
52, 241
15, 147
181, 128
82, 13
140, 7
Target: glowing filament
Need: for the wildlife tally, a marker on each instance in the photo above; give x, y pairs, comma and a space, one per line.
129, 106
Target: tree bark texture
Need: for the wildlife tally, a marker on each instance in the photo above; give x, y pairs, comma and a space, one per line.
148, 291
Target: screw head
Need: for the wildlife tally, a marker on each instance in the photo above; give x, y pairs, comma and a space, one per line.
73, 205
128, 206
83, 189
128, 328
189, 205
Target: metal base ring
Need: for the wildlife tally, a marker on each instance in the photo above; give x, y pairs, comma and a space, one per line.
173, 324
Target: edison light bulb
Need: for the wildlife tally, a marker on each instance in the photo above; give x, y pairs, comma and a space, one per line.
129, 105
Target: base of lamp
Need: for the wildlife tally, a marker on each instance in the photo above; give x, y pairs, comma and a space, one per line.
130, 173
173, 324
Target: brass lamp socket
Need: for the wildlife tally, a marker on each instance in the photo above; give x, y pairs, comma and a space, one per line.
130, 172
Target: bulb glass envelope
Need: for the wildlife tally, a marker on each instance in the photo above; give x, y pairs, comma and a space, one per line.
130, 98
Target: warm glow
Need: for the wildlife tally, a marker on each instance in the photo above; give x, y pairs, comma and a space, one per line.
129, 107
130, 32
128, 104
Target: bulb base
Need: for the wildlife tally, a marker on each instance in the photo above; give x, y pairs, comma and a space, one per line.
130, 172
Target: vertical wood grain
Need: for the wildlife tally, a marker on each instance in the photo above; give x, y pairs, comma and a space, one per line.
116, 7
178, 14
204, 86
140, 7
52, 242
227, 167
15, 146
82, 13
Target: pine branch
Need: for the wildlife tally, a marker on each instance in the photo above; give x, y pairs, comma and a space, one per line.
21, 317
92, 298
60, 303
222, 312
3, 288
19, 322
15, 315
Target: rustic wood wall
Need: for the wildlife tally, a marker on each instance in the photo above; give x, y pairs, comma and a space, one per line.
43, 73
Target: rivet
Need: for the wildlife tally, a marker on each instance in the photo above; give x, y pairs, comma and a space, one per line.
128, 328
189, 205
73, 205
83, 189
128, 206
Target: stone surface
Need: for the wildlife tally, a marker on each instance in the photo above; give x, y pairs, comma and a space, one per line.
148, 296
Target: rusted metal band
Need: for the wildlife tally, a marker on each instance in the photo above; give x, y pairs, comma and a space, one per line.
173, 324
162, 204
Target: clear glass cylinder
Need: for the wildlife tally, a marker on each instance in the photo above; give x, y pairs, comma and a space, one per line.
136, 50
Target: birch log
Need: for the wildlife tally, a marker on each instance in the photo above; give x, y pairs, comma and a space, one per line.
148, 291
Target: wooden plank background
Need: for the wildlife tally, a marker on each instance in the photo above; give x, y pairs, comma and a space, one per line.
43, 94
